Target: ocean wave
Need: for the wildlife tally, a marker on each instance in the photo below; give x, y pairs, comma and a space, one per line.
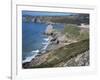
45, 43
46, 39
28, 59
35, 51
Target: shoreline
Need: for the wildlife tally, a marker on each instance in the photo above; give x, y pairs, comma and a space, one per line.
40, 60
38, 53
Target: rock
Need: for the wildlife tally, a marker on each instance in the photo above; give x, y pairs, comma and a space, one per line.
80, 60
49, 29
62, 38
50, 38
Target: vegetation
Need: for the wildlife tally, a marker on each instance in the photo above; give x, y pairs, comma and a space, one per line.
83, 35
78, 38
70, 19
64, 54
71, 31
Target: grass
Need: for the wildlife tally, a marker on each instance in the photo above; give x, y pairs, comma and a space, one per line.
71, 31
75, 33
65, 53
84, 35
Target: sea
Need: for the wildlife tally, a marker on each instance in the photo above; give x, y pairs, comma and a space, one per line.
33, 39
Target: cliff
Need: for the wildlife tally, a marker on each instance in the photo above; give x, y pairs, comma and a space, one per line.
74, 54
70, 19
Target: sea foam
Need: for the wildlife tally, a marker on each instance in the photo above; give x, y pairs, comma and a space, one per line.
46, 39
28, 59
35, 52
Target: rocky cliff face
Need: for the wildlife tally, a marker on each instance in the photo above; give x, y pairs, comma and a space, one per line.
67, 48
79, 60
75, 54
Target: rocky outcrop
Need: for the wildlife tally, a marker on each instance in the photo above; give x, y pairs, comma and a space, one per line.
79, 60
49, 29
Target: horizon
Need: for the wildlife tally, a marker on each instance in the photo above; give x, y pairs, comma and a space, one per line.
44, 13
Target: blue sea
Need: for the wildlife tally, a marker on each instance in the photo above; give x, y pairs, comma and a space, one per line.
33, 40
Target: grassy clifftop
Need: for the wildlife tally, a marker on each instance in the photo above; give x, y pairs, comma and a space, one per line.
62, 54
74, 32
71, 30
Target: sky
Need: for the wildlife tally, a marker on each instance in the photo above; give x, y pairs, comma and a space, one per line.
41, 13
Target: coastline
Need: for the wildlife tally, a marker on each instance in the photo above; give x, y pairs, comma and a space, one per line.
58, 44
44, 58
37, 52
61, 44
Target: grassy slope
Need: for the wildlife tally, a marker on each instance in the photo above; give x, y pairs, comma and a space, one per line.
83, 35
74, 32
71, 30
65, 53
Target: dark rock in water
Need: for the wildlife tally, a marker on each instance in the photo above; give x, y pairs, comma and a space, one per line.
48, 34
54, 39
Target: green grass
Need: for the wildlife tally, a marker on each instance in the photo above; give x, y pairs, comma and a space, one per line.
65, 53
84, 35
71, 31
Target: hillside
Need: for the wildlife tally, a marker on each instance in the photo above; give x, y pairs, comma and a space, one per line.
66, 47
61, 55
75, 32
